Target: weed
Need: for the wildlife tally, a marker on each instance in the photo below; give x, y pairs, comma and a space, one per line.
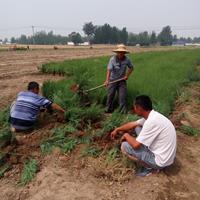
46, 147
112, 154
92, 151
92, 113
2, 158
193, 74
3, 169
5, 136
4, 117
29, 171
184, 96
190, 130
60, 138
68, 145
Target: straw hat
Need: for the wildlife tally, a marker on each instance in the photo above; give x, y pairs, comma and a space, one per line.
121, 48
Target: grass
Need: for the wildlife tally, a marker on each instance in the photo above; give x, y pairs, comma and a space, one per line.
188, 130
112, 154
61, 137
5, 134
157, 74
29, 171
92, 151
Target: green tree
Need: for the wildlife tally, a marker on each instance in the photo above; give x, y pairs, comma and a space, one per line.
165, 37
133, 39
144, 39
13, 40
153, 38
5, 40
75, 37
89, 29
175, 39
123, 36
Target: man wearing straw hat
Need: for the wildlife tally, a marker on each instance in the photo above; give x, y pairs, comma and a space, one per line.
117, 70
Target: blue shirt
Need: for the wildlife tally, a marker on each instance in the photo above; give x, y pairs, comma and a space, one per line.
27, 106
118, 67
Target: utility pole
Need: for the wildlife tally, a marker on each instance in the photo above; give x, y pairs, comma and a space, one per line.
33, 34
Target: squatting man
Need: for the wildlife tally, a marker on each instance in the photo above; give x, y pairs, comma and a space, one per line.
155, 145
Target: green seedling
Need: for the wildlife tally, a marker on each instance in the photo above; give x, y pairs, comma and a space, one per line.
190, 130
29, 171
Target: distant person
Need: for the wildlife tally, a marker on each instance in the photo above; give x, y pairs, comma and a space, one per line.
24, 111
117, 69
155, 145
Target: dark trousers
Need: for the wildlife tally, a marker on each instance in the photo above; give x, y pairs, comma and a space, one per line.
121, 89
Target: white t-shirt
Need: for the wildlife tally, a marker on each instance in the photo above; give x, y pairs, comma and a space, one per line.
159, 135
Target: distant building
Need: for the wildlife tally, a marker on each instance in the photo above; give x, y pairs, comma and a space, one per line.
84, 44
70, 43
192, 44
178, 43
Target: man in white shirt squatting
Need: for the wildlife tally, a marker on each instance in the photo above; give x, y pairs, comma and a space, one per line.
155, 145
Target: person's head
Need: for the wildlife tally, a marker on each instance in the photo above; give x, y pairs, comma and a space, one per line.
142, 105
33, 87
121, 51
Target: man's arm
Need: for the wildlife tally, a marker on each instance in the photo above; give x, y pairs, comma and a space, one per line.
128, 73
126, 127
131, 140
106, 83
57, 107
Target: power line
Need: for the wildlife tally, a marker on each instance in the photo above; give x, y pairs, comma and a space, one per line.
156, 28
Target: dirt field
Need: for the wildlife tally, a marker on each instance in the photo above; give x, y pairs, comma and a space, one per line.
63, 177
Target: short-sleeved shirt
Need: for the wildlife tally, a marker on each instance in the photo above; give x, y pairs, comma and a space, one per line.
118, 67
159, 135
27, 106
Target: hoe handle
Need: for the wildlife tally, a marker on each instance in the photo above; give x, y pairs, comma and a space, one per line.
103, 85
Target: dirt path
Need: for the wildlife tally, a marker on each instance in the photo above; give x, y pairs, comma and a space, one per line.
69, 177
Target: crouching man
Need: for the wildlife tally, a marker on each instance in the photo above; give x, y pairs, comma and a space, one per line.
24, 111
155, 145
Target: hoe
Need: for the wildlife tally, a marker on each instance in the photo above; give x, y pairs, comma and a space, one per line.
75, 87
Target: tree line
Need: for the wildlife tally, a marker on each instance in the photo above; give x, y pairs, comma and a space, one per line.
105, 34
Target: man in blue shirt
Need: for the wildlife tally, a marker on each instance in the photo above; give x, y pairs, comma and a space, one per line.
117, 69
24, 111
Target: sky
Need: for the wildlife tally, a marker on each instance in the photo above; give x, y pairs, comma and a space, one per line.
64, 16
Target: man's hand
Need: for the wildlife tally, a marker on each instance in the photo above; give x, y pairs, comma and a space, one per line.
113, 134
60, 118
126, 78
123, 138
106, 83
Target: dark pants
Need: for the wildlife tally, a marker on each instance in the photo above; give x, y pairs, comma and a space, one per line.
121, 89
